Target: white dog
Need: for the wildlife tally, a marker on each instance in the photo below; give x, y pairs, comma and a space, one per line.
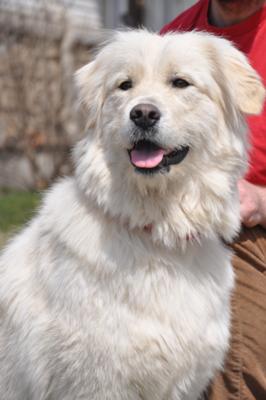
119, 289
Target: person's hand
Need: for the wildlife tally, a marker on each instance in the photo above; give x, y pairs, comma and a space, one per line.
252, 203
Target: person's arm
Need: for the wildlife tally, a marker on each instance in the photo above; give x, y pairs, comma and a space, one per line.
252, 204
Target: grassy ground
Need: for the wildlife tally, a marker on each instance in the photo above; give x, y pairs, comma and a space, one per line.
16, 208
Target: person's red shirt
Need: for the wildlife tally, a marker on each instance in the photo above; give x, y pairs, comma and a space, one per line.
250, 37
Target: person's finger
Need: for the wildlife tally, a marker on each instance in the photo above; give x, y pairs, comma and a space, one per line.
242, 191
251, 220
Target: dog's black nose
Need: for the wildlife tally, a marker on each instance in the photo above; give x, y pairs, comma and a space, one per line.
145, 115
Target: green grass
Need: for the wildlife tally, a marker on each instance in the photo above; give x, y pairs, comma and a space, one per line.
16, 208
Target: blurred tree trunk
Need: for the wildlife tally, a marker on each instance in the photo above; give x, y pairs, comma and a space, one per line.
136, 13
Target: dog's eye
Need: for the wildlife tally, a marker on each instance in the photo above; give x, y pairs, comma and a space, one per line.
126, 85
180, 83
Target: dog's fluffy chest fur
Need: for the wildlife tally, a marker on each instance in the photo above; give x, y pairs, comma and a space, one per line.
125, 310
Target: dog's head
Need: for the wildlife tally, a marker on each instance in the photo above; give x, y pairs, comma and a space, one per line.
167, 114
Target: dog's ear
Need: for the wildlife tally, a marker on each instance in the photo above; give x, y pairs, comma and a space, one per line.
244, 82
89, 83
248, 89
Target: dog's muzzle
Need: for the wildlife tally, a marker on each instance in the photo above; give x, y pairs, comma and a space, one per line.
146, 155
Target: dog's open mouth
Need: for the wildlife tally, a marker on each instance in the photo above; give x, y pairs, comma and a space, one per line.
148, 157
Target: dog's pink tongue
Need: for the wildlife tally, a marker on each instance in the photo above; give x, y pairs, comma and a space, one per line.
147, 158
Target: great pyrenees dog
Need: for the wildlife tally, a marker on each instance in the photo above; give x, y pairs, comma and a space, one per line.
119, 289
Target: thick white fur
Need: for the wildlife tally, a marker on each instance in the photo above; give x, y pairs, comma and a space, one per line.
94, 306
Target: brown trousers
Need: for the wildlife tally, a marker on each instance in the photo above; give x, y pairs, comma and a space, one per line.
244, 376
